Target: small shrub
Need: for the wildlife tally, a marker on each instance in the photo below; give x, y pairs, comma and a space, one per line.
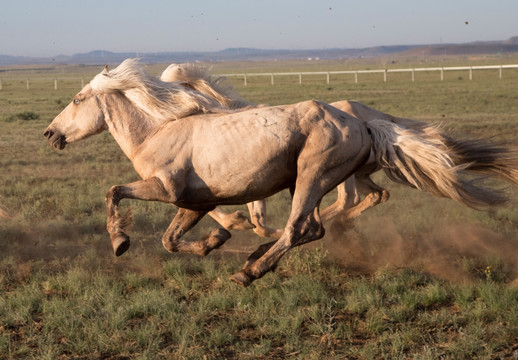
25, 115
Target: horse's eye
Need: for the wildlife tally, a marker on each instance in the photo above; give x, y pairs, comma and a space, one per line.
76, 101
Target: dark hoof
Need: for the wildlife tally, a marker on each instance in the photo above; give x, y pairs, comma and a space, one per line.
120, 244
242, 278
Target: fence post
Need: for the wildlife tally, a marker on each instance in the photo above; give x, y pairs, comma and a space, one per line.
82, 83
470, 73
27, 84
413, 75
385, 76
442, 74
55, 84
499, 74
246, 81
300, 78
327, 78
356, 77
272, 79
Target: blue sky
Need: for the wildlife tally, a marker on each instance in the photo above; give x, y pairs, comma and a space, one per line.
50, 28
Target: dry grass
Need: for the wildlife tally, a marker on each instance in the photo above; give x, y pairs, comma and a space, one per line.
416, 277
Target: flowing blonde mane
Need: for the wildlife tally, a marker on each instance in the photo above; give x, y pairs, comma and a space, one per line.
162, 101
198, 78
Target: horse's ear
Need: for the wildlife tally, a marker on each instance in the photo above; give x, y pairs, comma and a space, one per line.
105, 71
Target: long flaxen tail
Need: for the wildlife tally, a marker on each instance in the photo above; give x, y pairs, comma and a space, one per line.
486, 156
425, 159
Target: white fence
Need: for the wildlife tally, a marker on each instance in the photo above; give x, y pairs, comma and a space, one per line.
79, 82
384, 72
50, 82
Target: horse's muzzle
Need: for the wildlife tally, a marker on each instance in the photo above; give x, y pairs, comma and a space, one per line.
55, 139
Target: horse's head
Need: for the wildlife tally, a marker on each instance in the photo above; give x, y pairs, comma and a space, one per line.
83, 117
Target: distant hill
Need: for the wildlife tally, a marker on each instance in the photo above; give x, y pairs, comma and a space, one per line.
101, 57
511, 41
483, 48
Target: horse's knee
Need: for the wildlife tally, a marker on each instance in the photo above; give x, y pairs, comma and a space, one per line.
216, 238
169, 240
113, 195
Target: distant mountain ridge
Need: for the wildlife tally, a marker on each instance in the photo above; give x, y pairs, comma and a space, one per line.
100, 57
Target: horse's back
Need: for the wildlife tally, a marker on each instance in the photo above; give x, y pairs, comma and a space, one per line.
366, 113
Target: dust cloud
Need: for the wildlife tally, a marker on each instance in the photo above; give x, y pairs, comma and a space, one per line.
456, 252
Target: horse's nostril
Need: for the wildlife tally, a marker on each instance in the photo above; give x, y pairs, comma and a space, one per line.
48, 134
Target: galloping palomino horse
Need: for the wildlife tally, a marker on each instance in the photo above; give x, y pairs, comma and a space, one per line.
480, 155
218, 157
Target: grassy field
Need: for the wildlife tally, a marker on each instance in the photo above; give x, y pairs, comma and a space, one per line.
415, 278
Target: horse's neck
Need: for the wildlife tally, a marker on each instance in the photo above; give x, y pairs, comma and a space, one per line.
128, 126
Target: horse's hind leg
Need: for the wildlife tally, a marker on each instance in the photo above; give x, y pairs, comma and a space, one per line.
347, 197
238, 221
183, 222
257, 210
304, 222
374, 195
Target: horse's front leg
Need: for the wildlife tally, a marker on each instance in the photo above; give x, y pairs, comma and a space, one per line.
232, 221
117, 225
184, 221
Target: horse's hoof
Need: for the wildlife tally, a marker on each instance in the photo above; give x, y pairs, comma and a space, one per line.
120, 244
241, 278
